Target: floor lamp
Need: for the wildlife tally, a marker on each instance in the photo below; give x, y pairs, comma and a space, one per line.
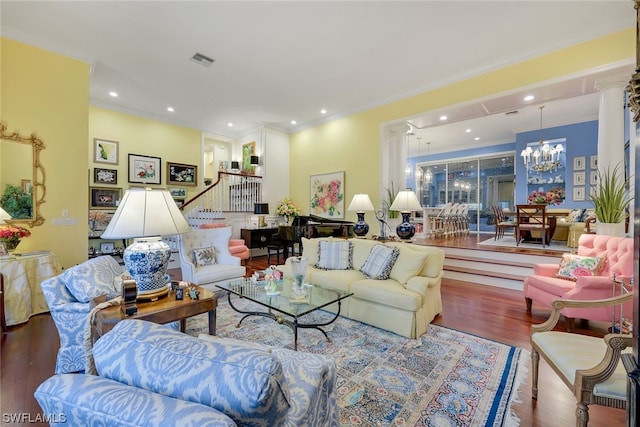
146, 215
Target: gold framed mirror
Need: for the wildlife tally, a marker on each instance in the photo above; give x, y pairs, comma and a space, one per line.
21, 175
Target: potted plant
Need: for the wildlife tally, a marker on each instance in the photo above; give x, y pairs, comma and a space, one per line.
611, 200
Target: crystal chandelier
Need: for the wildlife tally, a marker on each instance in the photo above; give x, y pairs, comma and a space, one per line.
545, 157
427, 176
419, 169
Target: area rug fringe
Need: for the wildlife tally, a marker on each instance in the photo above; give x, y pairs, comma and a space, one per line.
443, 378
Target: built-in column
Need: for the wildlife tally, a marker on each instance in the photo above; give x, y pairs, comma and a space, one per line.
611, 124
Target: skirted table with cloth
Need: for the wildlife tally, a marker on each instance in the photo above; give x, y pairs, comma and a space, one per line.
23, 297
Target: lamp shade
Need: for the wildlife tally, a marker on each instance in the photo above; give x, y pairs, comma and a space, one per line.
146, 213
406, 201
4, 215
255, 160
361, 203
261, 208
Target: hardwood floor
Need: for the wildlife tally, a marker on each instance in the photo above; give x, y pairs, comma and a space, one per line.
28, 352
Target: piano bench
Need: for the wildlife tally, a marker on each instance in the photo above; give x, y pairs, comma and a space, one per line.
279, 249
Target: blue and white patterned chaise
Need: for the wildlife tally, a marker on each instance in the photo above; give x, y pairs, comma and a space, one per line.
69, 298
154, 376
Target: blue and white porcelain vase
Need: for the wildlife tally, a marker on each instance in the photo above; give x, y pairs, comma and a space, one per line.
146, 260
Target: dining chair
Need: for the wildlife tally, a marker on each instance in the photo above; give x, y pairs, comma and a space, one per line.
532, 218
501, 222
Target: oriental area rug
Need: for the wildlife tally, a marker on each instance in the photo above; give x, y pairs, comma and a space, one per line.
444, 378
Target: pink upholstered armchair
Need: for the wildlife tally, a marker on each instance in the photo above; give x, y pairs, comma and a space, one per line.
544, 286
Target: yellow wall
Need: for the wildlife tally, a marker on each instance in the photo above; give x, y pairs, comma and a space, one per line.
137, 135
352, 144
48, 94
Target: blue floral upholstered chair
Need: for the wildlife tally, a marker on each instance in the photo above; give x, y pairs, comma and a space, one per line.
154, 376
69, 298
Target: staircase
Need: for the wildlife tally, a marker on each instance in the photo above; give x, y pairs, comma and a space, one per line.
231, 194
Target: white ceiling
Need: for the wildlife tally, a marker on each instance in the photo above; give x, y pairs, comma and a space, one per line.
282, 61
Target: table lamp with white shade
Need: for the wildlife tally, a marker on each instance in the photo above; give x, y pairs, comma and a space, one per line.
146, 215
361, 203
406, 202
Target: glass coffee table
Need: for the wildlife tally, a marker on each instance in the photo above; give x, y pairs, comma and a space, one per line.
281, 305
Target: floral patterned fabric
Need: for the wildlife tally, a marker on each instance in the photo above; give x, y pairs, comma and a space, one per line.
204, 256
151, 375
574, 266
69, 314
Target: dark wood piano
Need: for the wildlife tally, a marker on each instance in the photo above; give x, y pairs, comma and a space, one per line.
309, 227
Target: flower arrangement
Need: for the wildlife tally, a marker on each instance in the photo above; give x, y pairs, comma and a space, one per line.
98, 216
287, 208
11, 235
554, 196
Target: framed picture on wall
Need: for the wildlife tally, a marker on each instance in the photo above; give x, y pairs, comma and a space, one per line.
144, 169
248, 150
593, 162
105, 176
579, 178
104, 197
579, 163
578, 194
327, 195
180, 174
593, 178
105, 151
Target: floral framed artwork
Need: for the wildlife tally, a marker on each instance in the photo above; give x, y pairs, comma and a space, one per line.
327, 195
181, 174
144, 169
104, 197
105, 151
105, 176
248, 150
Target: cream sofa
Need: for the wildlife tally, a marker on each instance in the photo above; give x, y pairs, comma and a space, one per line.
405, 303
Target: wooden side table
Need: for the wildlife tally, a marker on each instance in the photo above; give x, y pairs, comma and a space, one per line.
164, 310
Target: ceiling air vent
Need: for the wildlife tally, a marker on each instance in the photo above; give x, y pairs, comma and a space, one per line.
201, 59
511, 113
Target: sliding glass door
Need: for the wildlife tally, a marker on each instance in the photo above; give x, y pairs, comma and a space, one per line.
479, 183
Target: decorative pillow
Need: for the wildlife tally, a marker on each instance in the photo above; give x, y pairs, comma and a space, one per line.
93, 278
336, 255
204, 256
574, 266
380, 262
576, 215
588, 213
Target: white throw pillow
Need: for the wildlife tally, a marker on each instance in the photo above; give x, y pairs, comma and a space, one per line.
204, 256
380, 262
335, 255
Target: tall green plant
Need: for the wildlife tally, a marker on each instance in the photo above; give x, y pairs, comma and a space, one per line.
610, 197
391, 196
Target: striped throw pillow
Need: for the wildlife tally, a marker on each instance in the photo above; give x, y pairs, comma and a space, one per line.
335, 255
379, 262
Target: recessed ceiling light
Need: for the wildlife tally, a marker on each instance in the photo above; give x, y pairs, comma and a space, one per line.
529, 98
114, 94
477, 138
323, 111
443, 117
230, 124
468, 130
170, 109
293, 122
